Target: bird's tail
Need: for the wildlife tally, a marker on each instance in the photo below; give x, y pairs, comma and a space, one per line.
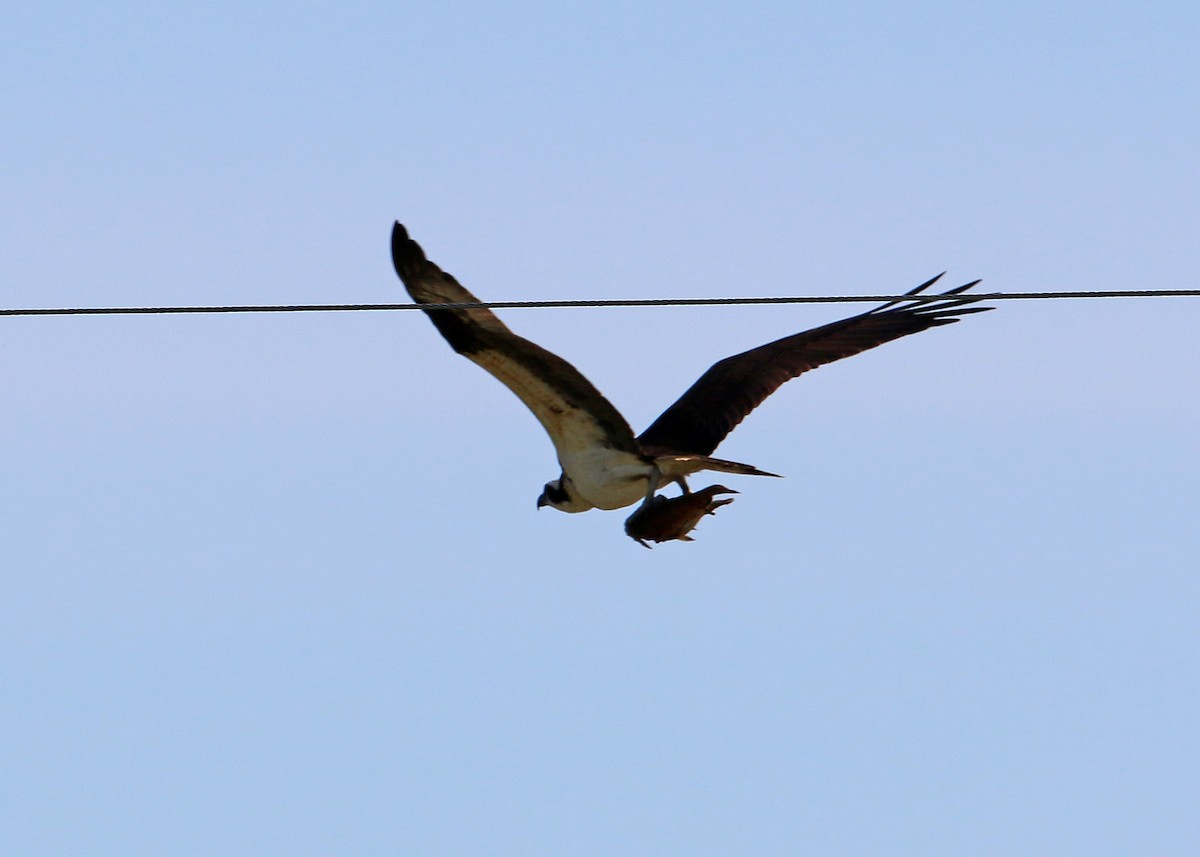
672, 466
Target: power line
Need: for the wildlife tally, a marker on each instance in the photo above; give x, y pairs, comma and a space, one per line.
576, 304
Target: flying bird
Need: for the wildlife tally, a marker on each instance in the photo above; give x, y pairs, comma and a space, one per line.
604, 464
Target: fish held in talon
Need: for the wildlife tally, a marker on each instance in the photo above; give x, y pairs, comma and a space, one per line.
665, 519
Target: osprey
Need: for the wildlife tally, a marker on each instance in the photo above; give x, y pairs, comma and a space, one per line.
604, 464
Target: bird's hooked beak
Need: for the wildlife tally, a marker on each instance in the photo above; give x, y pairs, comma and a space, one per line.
542, 501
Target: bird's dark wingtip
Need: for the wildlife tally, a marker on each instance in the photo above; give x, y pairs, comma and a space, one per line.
925, 284
960, 289
406, 253
913, 291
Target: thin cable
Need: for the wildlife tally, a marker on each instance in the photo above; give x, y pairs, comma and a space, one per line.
636, 302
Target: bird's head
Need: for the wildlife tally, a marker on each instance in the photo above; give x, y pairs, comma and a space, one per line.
559, 494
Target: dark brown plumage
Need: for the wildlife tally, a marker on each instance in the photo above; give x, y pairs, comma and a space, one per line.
477, 333
732, 388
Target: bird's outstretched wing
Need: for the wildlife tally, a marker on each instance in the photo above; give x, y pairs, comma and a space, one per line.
733, 387
574, 413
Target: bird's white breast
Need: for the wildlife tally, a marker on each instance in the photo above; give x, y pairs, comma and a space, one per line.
606, 478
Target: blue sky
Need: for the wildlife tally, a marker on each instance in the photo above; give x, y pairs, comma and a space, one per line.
276, 584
